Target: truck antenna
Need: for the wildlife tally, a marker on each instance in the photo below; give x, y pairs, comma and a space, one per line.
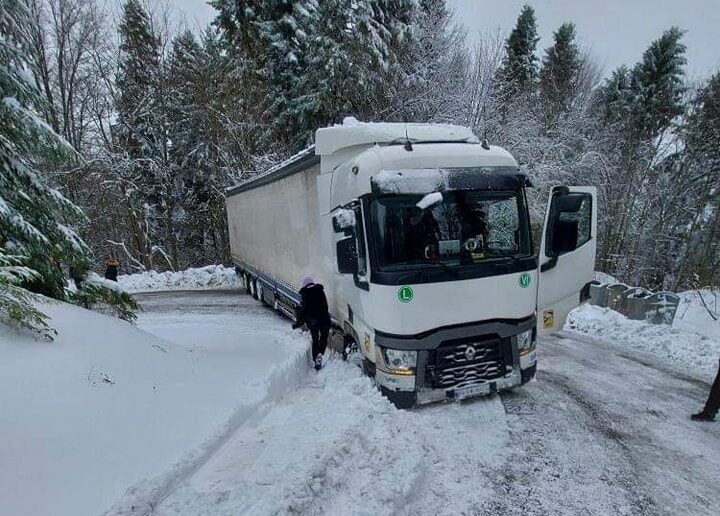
408, 143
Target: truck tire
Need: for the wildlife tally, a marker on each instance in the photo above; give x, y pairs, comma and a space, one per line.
254, 289
349, 346
246, 282
368, 368
261, 295
402, 400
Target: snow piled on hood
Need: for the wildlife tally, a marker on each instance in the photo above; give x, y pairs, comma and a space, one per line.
210, 277
692, 342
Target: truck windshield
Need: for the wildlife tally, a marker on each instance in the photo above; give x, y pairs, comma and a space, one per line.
466, 228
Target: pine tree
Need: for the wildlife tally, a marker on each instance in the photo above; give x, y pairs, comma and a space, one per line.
658, 84
37, 242
140, 135
519, 70
560, 68
697, 225
313, 62
137, 82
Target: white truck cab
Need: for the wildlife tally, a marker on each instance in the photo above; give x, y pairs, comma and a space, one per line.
421, 235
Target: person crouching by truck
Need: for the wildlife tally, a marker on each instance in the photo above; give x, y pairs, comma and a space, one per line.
314, 314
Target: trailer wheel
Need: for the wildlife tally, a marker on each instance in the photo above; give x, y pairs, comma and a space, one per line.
261, 295
246, 282
254, 289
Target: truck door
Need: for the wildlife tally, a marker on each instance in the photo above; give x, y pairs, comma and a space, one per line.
567, 254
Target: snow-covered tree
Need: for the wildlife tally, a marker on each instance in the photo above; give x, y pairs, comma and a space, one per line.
638, 108
37, 241
519, 71
696, 231
314, 62
433, 68
140, 140
559, 75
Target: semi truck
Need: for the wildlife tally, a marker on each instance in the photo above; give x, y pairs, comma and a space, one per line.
421, 235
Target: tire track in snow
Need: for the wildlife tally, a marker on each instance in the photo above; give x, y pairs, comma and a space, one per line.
144, 497
617, 425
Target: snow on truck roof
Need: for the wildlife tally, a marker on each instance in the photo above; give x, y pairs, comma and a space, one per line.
329, 140
352, 133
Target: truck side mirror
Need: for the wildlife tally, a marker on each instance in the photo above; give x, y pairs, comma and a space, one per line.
346, 256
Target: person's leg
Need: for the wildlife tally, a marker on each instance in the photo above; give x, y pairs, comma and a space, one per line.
713, 403
315, 334
323, 338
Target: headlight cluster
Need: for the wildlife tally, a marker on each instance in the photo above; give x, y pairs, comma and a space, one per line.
525, 341
396, 361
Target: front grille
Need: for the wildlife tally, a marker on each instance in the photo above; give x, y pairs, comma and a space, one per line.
457, 365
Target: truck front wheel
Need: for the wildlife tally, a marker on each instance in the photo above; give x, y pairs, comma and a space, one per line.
402, 400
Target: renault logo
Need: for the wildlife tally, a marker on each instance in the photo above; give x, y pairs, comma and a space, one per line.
470, 352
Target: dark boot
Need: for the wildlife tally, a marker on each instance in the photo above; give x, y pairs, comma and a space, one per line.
713, 403
703, 416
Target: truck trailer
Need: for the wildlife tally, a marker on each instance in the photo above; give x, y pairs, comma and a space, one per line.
421, 235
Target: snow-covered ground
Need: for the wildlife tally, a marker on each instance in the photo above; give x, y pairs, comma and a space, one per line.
692, 343
210, 408
106, 404
210, 277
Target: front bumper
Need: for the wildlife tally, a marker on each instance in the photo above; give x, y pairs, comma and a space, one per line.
479, 389
456, 364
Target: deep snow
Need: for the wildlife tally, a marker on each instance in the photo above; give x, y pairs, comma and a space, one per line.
209, 277
596, 434
692, 343
106, 404
229, 419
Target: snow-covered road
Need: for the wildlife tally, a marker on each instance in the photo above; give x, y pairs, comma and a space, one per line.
602, 431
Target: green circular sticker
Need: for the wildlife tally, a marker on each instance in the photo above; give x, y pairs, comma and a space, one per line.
405, 294
524, 280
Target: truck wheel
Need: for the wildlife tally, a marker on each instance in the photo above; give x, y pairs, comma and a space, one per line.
246, 281
401, 399
349, 346
368, 368
261, 295
254, 289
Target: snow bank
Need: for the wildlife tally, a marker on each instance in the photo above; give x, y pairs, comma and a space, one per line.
334, 445
107, 404
692, 343
212, 276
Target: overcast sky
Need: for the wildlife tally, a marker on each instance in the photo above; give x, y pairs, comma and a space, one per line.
616, 30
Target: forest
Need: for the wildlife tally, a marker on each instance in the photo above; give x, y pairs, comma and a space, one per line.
119, 131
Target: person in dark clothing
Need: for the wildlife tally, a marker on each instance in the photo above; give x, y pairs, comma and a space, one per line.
713, 403
314, 314
111, 268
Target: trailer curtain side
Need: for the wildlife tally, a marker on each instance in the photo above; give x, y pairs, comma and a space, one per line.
274, 225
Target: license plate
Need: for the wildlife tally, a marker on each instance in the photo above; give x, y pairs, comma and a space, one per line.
472, 390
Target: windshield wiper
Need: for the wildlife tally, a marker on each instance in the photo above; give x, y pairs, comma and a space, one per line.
422, 271
445, 267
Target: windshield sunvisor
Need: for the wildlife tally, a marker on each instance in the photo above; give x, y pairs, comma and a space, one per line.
428, 180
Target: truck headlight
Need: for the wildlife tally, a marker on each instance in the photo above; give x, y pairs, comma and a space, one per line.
396, 361
525, 341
